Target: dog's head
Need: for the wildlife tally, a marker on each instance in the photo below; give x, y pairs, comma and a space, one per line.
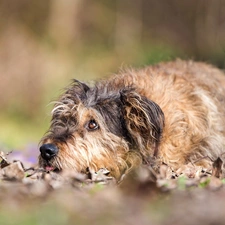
101, 127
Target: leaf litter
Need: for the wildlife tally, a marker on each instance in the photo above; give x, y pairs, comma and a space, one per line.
161, 195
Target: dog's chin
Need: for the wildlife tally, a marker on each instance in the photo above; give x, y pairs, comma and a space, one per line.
52, 169
48, 167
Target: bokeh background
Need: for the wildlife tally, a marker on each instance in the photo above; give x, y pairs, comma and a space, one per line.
46, 43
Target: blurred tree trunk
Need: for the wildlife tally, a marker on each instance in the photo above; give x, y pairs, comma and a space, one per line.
210, 28
207, 27
64, 22
128, 27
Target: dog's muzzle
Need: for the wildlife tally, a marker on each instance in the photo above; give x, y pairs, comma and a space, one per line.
48, 151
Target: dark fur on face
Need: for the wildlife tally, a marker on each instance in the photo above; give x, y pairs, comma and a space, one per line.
172, 111
132, 118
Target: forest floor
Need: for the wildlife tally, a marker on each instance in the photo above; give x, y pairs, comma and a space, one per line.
190, 195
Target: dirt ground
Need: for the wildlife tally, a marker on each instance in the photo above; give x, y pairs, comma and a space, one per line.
190, 195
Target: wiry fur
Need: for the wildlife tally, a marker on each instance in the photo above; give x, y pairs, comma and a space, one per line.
171, 111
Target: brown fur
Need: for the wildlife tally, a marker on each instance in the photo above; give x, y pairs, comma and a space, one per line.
173, 111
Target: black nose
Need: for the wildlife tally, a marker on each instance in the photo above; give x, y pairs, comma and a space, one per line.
48, 151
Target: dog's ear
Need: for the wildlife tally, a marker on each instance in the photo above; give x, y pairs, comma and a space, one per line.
144, 121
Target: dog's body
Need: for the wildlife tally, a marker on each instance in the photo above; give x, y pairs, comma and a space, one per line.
174, 112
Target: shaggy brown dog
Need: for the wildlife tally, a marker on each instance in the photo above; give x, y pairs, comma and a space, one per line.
174, 112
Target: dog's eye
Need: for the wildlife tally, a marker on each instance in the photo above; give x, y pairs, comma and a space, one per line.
92, 125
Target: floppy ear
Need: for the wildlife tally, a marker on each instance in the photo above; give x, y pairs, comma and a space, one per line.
144, 121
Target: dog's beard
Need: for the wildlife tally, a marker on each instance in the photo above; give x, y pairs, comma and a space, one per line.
94, 154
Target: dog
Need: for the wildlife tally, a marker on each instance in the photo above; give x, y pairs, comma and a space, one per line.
172, 112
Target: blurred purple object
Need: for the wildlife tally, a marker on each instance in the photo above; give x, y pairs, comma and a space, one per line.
28, 156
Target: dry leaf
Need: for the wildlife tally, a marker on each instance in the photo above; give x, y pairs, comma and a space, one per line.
14, 171
217, 168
